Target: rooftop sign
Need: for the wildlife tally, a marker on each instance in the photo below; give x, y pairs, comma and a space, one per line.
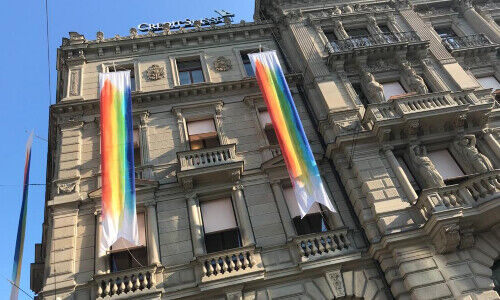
223, 15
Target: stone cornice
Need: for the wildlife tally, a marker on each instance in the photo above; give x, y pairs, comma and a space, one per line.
170, 94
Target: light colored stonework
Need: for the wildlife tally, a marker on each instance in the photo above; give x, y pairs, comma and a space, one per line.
388, 238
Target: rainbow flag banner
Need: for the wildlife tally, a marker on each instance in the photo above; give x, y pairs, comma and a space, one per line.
119, 219
302, 168
21, 229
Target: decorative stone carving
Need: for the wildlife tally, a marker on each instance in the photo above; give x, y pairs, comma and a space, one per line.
466, 238
411, 129
66, 188
426, 171
348, 9
465, 147
375, 91
187, 183
155, 72
448, 238
197, 24
336, 282
381, 65
133, 32
340, 30
222, 64
416, 82
166, 28
76, 38
336, 10
74, 86
99, 36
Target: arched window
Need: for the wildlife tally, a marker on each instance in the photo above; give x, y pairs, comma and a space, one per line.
496, 275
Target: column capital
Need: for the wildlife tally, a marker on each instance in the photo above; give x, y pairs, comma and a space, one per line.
238, 187
191, 196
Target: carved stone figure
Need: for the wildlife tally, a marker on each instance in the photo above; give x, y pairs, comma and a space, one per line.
340, 31
374, 89
372, 22
348, 9
166, 28
428, 174
155, 72
415, 81
222, 64
337, 10
99, 36
465, 146
133, 32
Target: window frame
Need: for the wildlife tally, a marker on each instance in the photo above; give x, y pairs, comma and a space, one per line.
245, 53
216, 136
186, 57
190, 70
124, 65
449, 180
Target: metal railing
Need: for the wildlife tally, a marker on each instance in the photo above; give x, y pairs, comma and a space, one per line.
466, 42
386, 38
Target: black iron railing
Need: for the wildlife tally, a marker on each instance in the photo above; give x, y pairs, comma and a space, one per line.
372, 41
465, 42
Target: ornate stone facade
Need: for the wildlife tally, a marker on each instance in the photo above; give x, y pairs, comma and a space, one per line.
404, 134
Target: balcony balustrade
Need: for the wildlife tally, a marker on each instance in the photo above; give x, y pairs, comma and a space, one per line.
324, 244
229, 263
475, 41
209, 157
131, 283
369, 41
471, 192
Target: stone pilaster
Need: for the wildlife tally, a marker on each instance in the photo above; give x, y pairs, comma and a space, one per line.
400, 174
286, 219
152, 235
196, 224
243, 216
100, 262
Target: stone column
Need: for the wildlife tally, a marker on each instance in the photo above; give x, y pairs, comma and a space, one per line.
195, 225
152, 238
286, 219
244, 218
492, 142
100, 262
478, 23
400, 174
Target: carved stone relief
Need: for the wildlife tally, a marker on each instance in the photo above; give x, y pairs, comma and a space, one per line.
336, 282
465, 148
74, 85
155, 72
427, 173
374, 90
415, 81
66, 188
222, 64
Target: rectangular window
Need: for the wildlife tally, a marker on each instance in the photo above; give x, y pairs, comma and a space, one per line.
359, 36
190, 71
361, 95
330, 35
489, 82
392, 89
137, 148
246, 62
445, 164
219, 224
313, 222
130, 68
384, 28
445, 32
408, 174
265, 122
202, 134
124, 255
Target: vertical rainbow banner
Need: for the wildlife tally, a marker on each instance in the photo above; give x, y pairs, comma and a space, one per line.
304, 174
21, 229
119, 218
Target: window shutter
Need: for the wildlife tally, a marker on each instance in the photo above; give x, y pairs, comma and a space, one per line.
264, 118
201, 129
123, 244
445, 164
218, 215
293, 207
489, 82
392, 89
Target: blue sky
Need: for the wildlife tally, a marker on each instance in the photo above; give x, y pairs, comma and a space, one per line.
24, 84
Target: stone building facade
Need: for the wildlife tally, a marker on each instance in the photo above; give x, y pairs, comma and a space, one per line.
398, 101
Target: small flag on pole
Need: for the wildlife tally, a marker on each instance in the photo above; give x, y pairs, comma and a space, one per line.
21, 229
119, 219
302, 169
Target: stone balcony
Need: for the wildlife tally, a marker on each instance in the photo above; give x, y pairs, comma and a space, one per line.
234, 265
322, 246
469, 45
126, 284
376, 43
208, 165
426, 108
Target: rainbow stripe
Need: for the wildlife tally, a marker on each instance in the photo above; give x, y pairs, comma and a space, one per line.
304, 174
117, 161
21, 229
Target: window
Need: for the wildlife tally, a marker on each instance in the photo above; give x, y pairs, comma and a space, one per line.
265, 122
137, 148
130, 68
361, 95
489, 82
448, 36
330, 35
496, 275
219, 224
387, 34
190, 71
359, 36
124, 255
246, 63
408, 174
202, 134
392, 89
445, 164
313, 222
384, 28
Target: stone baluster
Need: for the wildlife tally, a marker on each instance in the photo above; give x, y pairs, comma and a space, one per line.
153, 244
244, 218
196, 224
400, 174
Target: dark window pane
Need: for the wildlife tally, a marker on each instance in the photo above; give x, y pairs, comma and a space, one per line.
384, 28
312, 223
184, 78
496, 275
125, 260
224, 240
197, 76
137, 156
271, 136
188, 65
249, 69
361, 95
132, 84
330, 35
211, 142
445, 32
357, 32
